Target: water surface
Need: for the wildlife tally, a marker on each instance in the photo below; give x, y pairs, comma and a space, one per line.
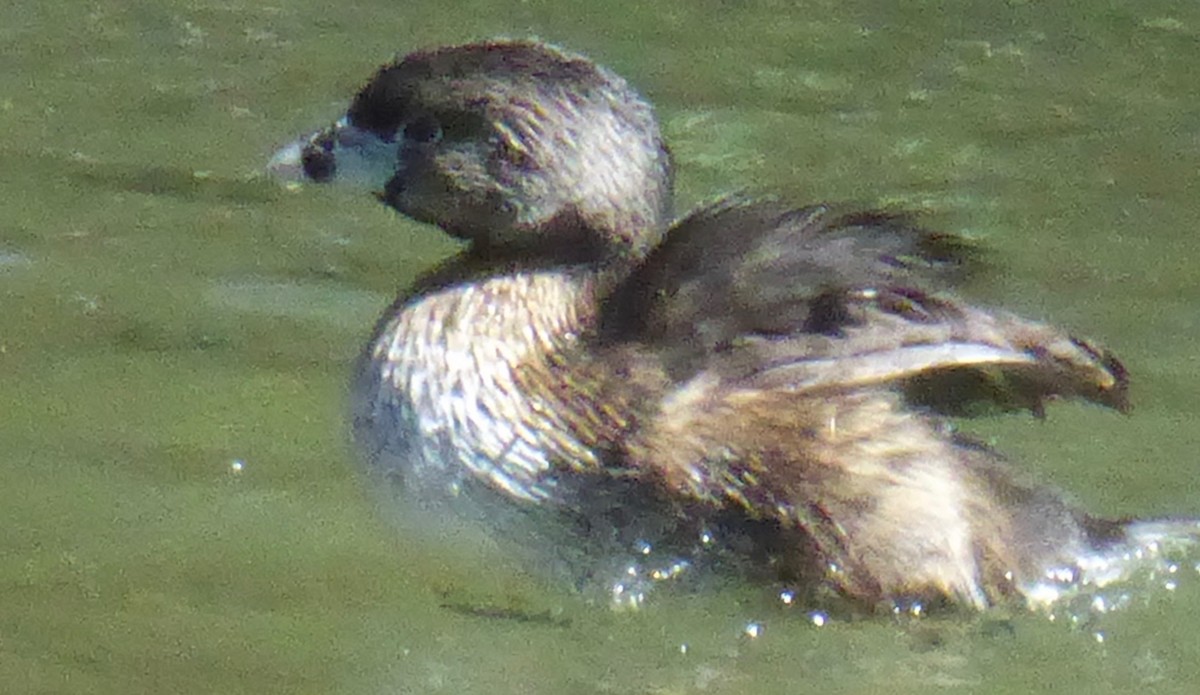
179, 509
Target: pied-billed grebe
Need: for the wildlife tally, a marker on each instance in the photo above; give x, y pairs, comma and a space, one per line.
749, 363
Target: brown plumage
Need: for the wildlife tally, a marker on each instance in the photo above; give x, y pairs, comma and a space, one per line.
770, 370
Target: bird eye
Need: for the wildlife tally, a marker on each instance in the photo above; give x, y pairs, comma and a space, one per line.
423, 129
463, 125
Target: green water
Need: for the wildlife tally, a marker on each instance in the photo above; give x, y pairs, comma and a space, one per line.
179, 510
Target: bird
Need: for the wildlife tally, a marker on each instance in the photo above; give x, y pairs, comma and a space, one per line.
768, 379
